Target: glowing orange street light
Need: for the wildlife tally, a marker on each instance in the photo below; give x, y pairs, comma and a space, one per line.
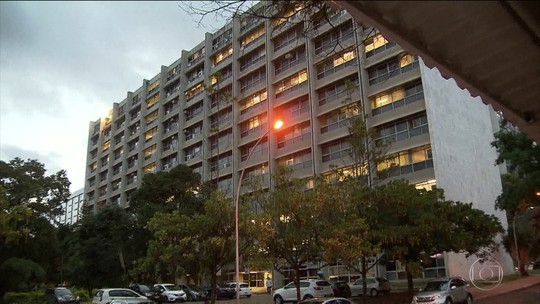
277, 125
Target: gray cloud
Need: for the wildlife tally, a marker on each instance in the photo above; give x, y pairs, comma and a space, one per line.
52, 161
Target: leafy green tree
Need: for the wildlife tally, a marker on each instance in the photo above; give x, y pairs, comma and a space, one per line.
202, 242
101, 245
290, 225
23, 275
29, 202
521, 186
414, 224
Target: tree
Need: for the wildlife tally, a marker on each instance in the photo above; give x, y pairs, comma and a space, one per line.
202, 242
101, 254
413, 224
290, 225
521, 186
29, 202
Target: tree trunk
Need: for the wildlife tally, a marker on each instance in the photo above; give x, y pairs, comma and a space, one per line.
410, 285
364, 279
297, 281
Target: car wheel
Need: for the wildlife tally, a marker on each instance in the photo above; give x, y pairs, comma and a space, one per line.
448, 301
278, 300
469, 299
374, 292
308, 296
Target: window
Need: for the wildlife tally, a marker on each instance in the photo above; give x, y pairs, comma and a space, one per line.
224, 54
107, 131
222, 39
224, 139
291, 84
296, 107
150, 134
261, 148
121, 123
195, 91
221, 97
335, 91
220, 163
297, 161
193, 151
336, 150
402, 129
93, 166
330, 41
252, 80
192, 112
152, 101
221, 118
376, 45
118, 138
153, 87
169, 162
252, 58
290, 60
427, 185
191, 132
406, 162
150, 168
339, 119
295, 134
196, 57
133, 129
288, 38
132, 145
252, 125
106, 145
170, 124
104, 160
252, 37
170, 143
195, 74
149, 152
132, 178
255, 172
132, 161
252, 102
150, 118
392, 68
396, 98
175, 71
336, 64
171, 106
172, 88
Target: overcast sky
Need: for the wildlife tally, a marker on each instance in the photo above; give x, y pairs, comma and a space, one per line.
63, 64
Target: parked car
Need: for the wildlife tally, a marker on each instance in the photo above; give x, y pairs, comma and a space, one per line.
222, 292
329, 300
441, 291
106, 296
374, 286
172, 292
244, 290
140, 289
194, 292
341, 289
60, 295
308, 289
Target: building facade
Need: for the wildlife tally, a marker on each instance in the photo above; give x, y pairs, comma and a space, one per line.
72, 208
207, 109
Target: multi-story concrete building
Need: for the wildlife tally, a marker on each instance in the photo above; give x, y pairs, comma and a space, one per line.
72, 208
269, 69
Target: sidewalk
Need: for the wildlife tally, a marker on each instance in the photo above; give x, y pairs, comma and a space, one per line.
506, 287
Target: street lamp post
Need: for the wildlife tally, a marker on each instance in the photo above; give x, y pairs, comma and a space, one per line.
278, 124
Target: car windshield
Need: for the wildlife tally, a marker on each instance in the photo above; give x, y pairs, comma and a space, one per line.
436, 286
173, 287
323, 283
63, 292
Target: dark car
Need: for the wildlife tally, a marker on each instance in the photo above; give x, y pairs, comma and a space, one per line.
155, 294
194, 292
140, 289
60, 295
222, 292
341, 289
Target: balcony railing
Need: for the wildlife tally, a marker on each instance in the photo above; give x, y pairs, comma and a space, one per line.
398, 103
393, 73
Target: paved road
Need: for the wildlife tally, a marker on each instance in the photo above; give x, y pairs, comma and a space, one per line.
529, 295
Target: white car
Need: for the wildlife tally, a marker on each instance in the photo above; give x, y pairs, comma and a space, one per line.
374, 286
173, 292
308, 289
105, 296
245, 290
